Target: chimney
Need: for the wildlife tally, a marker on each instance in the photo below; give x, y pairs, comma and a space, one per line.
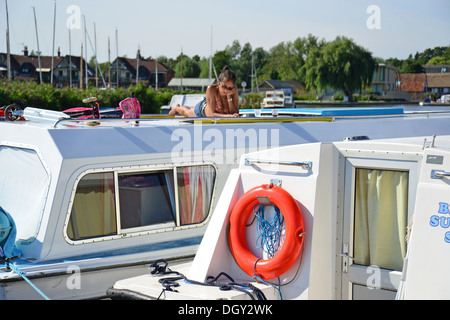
59, 52
25, 51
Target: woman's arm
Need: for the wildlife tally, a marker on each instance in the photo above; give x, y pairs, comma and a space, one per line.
233, 101
210, 111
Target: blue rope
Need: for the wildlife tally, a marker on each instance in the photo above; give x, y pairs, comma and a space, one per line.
269, 232
258, 278
22, 274
269, 236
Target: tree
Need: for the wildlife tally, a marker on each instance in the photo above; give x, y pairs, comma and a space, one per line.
286, 60
221, 59
411, 65
340, 64
191, 68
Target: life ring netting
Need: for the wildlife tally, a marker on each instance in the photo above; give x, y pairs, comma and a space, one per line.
294, 232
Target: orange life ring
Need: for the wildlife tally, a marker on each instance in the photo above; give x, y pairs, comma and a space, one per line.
293, 242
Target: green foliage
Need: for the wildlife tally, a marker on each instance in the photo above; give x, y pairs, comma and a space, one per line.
191, 68
413, 64
340, 64
286, 61
318, 64
251, 100
46, 96
221, 59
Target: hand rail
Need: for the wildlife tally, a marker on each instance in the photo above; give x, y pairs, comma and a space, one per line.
305, 164
439, 174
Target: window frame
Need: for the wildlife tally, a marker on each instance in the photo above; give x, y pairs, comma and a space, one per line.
379, 160
41, 211
141, 230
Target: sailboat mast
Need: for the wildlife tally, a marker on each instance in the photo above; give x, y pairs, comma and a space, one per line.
252, 72
156, 72
138, 57
8, 55
181, 71
109, 64
70, 60
53, 47
39, 51
117, 59
96, 62
81, 67
210, 60
86, 56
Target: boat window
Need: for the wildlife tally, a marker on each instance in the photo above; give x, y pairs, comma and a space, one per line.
146, 199
93, 210
381, 213
166, 198
195, 190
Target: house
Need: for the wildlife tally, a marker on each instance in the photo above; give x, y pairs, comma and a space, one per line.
438, 83
72, 64
4, 66
415, 84
29, 67
439, 68
420, 85
385, 80
270, 85
193, 84
126, 71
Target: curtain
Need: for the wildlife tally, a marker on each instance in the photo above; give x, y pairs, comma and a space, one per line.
381, 210
195, 186
93, 210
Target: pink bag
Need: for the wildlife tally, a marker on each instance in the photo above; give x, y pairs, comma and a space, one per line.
131, 108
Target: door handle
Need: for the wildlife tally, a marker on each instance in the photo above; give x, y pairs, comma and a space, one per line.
438, 174
344, 254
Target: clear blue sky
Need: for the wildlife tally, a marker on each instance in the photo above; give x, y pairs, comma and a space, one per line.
164, 27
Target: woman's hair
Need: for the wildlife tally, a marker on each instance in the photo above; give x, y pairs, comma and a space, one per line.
227, 75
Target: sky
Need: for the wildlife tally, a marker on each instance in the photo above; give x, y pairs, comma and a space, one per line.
387, 28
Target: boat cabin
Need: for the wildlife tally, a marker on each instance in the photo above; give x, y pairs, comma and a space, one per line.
93, 201
370, 223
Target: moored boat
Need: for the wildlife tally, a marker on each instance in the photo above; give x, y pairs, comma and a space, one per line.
94, 201
369, 221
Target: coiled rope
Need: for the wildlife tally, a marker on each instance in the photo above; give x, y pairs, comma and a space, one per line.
269, 232
160, 267
269, 237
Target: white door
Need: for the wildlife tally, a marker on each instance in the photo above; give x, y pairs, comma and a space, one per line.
377, 204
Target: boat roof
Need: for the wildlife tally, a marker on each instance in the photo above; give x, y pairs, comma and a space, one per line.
67, 148
331, 112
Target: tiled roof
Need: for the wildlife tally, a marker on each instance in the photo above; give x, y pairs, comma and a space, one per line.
413, 82
438, 80
46, 61
150, 65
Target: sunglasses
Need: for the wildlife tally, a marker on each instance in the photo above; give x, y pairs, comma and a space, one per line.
226, 88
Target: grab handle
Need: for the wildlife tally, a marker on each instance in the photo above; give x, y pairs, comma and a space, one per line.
304, 165
439, 174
